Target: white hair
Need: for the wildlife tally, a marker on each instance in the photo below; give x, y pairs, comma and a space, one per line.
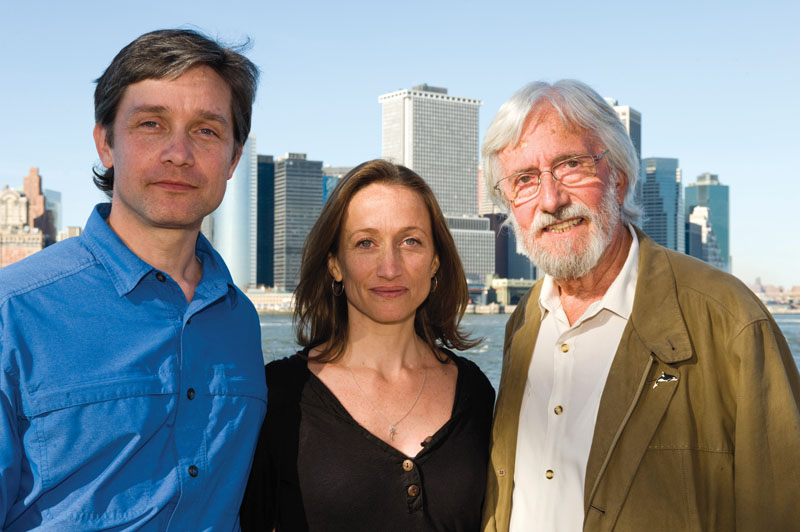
579, 106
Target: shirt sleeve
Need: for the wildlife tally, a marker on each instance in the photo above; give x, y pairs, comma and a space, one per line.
10, 446
767, 445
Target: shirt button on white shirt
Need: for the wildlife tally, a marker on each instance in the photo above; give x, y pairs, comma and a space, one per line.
569, 366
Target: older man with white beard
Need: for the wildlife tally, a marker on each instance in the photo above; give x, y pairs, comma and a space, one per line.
641, 389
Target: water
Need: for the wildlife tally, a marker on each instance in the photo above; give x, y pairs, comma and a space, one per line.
277, 338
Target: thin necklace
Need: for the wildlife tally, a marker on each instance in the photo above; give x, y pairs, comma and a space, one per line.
392, 429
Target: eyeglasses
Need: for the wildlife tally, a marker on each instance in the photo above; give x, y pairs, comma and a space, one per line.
523, 186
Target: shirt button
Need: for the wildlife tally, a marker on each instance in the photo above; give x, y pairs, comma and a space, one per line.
190, 393
413, 490
193, 471
558, 410
564, 348
161, 277
549, 473
408, 465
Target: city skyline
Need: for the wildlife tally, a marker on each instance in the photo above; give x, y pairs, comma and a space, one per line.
714, 91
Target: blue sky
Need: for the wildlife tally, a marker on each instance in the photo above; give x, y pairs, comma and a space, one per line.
717, 84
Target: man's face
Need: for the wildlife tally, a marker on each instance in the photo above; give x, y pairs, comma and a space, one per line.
566, 230
173, 150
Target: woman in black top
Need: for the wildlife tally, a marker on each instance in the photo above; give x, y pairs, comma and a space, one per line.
375, 425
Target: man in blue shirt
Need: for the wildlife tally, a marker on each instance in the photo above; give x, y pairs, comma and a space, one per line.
131, 377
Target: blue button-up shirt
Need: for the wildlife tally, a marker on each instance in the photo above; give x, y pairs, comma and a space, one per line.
122, 405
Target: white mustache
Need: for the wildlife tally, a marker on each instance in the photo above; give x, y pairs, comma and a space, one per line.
573, 210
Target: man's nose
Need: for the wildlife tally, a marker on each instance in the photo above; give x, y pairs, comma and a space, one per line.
552, 194
178, 150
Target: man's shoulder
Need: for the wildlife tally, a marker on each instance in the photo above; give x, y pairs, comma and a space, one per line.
695, 279
61, 260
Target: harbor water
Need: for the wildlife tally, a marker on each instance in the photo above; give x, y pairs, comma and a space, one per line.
277, 338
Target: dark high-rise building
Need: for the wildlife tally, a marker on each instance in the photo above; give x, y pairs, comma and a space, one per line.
298, 201
709, 192
265, 223
510, 262
662, 197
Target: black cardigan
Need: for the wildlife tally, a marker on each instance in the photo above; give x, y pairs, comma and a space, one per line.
317, 469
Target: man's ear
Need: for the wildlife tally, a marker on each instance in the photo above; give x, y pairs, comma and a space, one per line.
104, 149
333, 268
621, 188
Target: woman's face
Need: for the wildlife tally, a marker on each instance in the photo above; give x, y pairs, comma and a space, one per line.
386, 254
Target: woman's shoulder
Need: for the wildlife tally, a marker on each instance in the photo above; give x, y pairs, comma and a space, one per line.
287, 373
469, 373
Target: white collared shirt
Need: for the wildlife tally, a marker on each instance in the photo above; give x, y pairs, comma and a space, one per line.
566, 378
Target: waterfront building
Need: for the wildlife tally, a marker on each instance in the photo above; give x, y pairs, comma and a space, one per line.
694, 241
711, 253
331, 175
474, 240
38, 215
662, 198
510, 259
234, 225
26, 223
52, 202
69, 232
265, 225
13, 208
436, 135
632, 120
709, 192
298, 202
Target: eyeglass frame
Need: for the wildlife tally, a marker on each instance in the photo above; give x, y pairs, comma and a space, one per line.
595, 160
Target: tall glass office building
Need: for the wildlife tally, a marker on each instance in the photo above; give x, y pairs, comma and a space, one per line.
709, 192
233, 226
662, 197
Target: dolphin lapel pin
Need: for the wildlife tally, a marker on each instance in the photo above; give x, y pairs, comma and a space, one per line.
665, 377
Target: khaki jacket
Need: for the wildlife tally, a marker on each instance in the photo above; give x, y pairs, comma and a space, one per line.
717, 449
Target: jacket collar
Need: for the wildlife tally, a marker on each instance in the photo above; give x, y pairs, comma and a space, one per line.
656, 316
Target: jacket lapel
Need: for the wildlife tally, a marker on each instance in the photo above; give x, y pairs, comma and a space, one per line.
631, 408
520, 341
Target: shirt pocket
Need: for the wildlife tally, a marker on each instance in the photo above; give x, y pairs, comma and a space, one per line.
96, 446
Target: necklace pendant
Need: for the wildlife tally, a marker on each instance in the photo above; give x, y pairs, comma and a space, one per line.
392, 431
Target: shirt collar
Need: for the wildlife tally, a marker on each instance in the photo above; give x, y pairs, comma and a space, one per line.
619, 296
126, 269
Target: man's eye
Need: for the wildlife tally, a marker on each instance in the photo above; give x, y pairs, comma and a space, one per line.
207, 131
525, 179
574, 163
149, 124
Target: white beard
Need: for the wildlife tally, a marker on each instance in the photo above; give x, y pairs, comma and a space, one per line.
575, 258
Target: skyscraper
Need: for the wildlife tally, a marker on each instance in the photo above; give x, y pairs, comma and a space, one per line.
265, 244
298, 202
632, 120
709, 192
233, 229
662, 197
436, 135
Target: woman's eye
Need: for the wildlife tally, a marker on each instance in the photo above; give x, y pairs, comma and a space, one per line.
364, 244
411, 242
